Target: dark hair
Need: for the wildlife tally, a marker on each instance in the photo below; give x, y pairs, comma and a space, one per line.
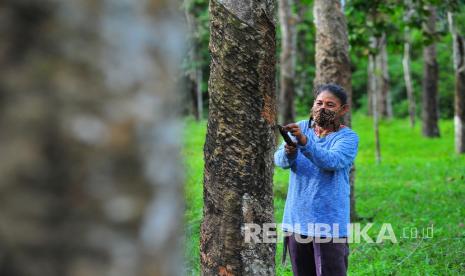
334, 89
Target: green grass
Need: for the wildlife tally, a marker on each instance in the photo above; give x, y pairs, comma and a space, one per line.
420, 182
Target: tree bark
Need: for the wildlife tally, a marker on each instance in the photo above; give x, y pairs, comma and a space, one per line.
288, 23
459, 67
240, 142
430, 108
332, 60
89, 177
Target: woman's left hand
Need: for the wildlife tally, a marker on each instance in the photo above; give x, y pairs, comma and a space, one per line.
294, 129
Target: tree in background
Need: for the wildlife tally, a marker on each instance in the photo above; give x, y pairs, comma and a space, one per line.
332, 59
90, 181
305, 57
375, 84
378, 78
430, 104
288, 22
385, 101
406, 60
459, 67
194, 60
378, 25
240, 142
371, 26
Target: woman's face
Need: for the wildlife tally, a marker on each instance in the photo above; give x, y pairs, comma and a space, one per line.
328, 109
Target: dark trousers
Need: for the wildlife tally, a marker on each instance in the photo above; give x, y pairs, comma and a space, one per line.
317, 257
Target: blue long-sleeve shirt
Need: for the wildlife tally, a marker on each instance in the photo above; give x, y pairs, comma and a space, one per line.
318, 195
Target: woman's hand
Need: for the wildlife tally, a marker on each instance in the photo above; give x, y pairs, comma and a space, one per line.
290, 150
294, 129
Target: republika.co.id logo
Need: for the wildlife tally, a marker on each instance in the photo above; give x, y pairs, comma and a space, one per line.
321, 232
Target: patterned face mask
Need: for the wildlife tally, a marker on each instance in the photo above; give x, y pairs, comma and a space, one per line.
325, 118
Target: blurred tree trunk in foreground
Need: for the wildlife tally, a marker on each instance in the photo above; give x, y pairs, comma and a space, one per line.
430, 103
459, 66
240, 142
89, 171
288, 22
332, 60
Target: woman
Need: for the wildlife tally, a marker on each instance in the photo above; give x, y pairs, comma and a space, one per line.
316, 213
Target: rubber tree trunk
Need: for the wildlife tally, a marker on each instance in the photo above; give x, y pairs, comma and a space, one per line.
385, 104
191, 87
288, 23
332, 60
406, 61
378, 68
459, 66
370, 82
240, 142
430, 108
375, 87
90, 181
372, 76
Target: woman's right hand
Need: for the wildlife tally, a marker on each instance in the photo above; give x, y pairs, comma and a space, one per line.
290, 150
